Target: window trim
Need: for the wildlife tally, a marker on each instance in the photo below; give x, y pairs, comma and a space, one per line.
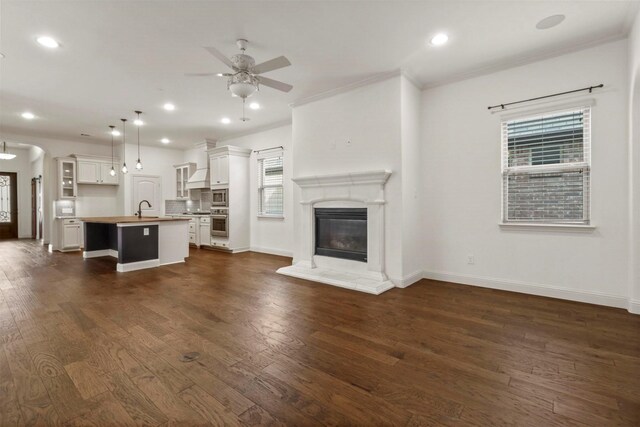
586, 223
259, 158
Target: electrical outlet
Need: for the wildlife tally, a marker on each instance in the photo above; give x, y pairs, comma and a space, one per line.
146, 231
471, 259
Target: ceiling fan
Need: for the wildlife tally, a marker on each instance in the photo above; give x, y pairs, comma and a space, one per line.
246, 77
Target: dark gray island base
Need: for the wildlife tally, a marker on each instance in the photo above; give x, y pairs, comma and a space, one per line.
137, 243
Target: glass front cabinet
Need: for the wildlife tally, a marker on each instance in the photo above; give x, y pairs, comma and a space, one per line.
183, 173
67, 181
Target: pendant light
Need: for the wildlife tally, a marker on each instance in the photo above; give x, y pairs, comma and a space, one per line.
124, 148
4, 155
138, 122
112, 172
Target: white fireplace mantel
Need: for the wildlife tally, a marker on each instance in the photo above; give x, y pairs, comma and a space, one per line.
356, 189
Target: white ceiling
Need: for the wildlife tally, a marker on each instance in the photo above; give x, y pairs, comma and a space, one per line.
116, 56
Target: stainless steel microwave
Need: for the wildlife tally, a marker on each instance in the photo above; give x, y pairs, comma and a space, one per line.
220, 197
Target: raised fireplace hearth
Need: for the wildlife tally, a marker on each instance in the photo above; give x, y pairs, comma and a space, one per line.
341, 233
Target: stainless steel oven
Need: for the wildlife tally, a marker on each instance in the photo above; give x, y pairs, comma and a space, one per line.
220, 197
219, 223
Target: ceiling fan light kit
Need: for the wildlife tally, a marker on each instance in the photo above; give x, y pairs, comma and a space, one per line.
246, 79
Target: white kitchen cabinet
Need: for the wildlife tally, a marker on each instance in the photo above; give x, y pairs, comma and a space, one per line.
219, 170
183, 173
70, 234
205, 231
67, 178
105, 174
96, 170
230, 170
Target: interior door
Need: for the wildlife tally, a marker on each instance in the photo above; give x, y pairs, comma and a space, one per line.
147, 188
8, 205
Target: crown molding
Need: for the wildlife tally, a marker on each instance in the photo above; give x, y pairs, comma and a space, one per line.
347, 88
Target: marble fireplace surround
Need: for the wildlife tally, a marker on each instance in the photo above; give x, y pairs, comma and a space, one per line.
351, 190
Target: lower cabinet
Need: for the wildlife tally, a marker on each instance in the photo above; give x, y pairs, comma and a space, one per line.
205, 231
70, 233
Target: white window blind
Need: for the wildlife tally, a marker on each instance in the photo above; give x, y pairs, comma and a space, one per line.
270, 185
546, 168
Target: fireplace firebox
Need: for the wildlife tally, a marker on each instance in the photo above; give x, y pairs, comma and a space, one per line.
341, 233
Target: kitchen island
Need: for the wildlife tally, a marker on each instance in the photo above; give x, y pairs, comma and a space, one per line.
137, 242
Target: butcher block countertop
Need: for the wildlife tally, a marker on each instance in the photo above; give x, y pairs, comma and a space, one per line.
130, 219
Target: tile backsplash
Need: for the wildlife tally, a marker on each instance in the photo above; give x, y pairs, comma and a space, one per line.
203, 204
173, 207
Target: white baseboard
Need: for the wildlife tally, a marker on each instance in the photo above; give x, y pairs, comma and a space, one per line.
100, 253
408, 280
590, 297
140, 265
634, 306
271, 251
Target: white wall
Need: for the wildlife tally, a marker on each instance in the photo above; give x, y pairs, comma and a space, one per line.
462, 198
634, 167
22, 166
359, 130
270, 235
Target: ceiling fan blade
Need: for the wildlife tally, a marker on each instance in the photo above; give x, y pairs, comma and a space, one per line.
274, 84
215, 52
200, 74
273, 64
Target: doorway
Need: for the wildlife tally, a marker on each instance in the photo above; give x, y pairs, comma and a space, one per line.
8, 205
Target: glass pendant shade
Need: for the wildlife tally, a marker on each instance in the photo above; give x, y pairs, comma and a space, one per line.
139, 165
112, 172
124, 168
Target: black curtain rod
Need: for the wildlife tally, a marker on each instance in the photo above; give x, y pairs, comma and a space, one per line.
267, 149
590, 89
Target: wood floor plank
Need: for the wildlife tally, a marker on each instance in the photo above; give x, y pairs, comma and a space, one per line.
86, 380
35, 404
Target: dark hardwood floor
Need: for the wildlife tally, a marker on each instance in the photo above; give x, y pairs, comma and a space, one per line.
84, 345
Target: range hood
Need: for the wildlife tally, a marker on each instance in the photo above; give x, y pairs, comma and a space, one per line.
199, 180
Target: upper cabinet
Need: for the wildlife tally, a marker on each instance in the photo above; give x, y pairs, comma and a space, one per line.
183, 173
219, 170
96, 170
67, 181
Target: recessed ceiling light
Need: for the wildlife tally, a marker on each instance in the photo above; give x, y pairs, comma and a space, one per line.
439, 39
165, 140
550, 22
28, 115
169, 106
115, 132
138, 122
226, 120
47, 41
254, 106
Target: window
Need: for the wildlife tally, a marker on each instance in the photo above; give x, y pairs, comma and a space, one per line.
270, 185
546, 168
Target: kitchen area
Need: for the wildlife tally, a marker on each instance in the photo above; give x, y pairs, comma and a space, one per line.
209, 191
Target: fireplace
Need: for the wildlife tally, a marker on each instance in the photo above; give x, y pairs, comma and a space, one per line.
341, 233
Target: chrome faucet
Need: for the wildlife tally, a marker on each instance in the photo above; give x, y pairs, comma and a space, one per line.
140, 207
